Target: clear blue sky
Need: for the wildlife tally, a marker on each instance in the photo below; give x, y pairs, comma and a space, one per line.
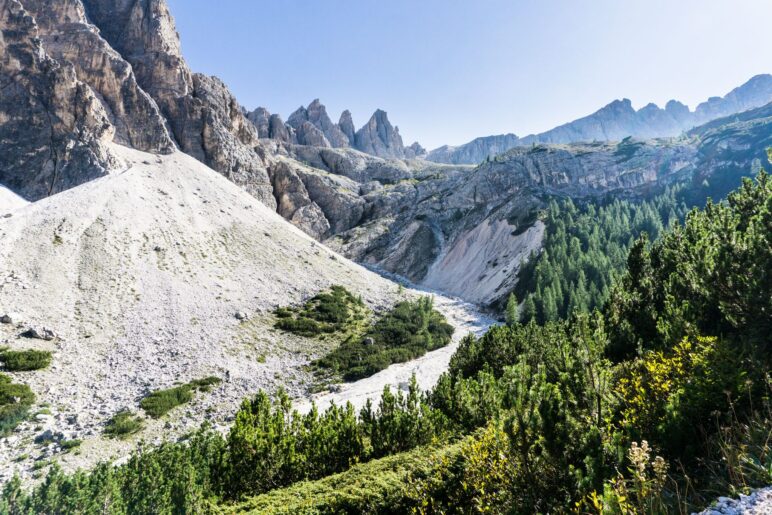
447, 71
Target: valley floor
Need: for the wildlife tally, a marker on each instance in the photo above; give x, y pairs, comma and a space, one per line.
140, 275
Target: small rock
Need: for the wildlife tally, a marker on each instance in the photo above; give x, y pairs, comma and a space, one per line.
368, 341
45, 437
240, 315
8, 318
39, 333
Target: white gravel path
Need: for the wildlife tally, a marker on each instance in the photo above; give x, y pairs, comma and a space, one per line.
758, 502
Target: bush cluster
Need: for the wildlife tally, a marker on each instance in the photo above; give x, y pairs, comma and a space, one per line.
328, 312
15, 401
406, 332
25, 360
123, 424
160, 402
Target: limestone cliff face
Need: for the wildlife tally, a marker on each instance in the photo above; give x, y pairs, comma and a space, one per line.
261, 119
474, 152
312, 126
67, 36
346, 124
205, 118
52, 125
379, 138
126, 81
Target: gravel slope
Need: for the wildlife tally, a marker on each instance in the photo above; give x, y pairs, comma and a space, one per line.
10, 201
140, 275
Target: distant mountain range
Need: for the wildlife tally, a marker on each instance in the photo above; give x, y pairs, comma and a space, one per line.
312, 126
616, 121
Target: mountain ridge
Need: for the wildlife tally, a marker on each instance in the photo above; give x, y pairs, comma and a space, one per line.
618, 120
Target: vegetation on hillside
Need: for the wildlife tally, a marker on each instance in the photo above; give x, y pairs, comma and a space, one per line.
406, 332
15, 401
24, 360
160, 402
335, 311
585, 247
656, 403
123, 424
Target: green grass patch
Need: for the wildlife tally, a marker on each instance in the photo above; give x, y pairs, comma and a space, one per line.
406, 332
68, 445
333, 311
15, 402
123, 424
160, 402
378, 486
25, 360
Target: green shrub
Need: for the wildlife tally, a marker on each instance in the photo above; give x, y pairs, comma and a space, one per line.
327, 312
406, 332
15, 401
205, 384
70, 444
380, 486
123, 424
159, 403
25, 360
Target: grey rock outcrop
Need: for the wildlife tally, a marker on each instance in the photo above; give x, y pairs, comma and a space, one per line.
316, 115
67, 36
205, 118
476, 151
308, 134
346, 124
279, 131
53, 127
294, 204
261, 119
415, 151
379, 138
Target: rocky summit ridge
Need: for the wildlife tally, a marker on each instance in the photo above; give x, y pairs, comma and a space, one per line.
312, 126
617, 121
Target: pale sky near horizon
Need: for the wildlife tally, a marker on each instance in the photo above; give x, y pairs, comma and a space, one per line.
447, 71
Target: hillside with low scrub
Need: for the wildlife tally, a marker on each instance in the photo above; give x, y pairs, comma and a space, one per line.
656, 403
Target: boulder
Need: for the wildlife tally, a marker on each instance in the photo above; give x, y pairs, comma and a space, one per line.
39, 333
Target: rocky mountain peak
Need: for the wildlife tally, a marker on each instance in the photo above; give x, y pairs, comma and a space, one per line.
379, 138
111, 71
415, 151
316, 115
260, 118
346, 124
312, 126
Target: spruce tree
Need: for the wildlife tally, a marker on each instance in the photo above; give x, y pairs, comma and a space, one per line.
511, 316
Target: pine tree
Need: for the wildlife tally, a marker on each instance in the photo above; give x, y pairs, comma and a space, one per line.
511, 312
529, 310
